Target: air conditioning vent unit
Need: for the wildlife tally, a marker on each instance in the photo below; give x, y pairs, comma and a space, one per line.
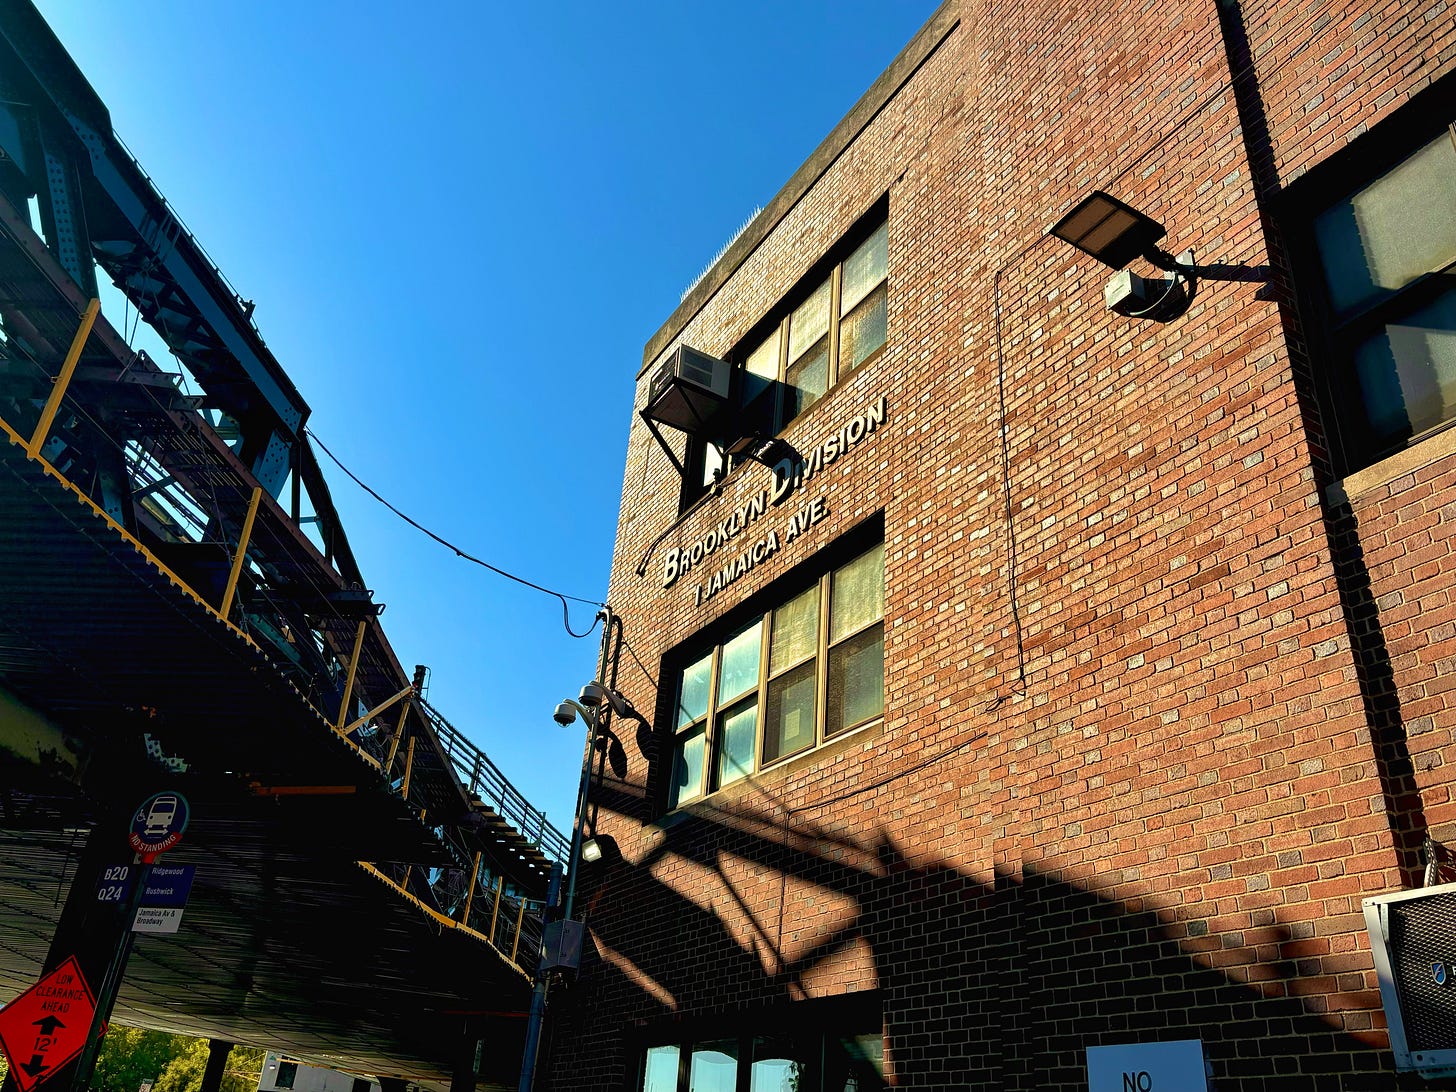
690, 393
1413, 939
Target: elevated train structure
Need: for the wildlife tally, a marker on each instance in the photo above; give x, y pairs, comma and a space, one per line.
180, 608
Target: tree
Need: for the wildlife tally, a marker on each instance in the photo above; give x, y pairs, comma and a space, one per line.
130, 1056
184, 1072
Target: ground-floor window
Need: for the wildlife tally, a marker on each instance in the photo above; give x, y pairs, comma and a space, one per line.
808, 1061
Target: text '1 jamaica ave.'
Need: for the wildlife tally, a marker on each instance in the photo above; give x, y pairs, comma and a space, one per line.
789, 476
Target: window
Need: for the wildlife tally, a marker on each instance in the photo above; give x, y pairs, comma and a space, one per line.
287, 1073
1388, 257
805, 1060
801, 673
834, 323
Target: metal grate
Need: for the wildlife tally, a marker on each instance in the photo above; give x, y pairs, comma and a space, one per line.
1423, 938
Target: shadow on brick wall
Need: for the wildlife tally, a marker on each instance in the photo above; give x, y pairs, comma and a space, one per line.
1000, 984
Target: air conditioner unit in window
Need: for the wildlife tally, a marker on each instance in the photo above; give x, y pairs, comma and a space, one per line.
1413, 939
690, 393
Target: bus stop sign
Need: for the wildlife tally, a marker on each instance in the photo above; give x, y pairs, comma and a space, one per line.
158, 825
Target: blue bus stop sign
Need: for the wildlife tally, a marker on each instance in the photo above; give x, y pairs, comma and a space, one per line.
158, 825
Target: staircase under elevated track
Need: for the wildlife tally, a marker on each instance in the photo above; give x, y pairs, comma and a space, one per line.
180, 608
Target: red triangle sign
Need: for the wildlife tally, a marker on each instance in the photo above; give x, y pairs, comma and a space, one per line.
46, 1026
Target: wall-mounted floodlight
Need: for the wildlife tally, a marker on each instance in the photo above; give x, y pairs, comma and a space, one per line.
1112, 232
1115, 233
602, 846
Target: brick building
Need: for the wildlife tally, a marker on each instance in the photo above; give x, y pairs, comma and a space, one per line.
1055, 680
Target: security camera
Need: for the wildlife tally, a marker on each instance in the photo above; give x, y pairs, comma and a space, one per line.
622, 707
592, 695
565, 714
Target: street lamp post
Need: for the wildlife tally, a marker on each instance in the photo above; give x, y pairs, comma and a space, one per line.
578, 830
596, 701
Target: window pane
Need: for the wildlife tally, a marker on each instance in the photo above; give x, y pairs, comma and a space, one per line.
739, 669
714, 1067
287, 1073
854, 1065
712, 461
758, 383
789, 720
764, 361
693, 693
1408, 373
780, 1064
795, 630
862, 333
1397, 228
808, 379
659, 1073
858, 595
856, 680
737, 731
687, 767
809, 322
864, 269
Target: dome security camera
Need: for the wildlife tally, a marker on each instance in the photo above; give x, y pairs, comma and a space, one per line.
592, 695
565, 715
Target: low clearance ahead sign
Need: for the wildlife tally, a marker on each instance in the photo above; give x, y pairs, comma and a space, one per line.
46, 1026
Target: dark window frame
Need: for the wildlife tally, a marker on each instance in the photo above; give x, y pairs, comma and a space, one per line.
819, 572
697, 480
1333, 339
846, 1017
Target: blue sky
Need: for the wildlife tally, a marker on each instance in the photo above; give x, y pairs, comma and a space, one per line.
460, 223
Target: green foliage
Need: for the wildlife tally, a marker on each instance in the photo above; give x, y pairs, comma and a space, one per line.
130, 1056
184, 1072
244, 1069
174, 1063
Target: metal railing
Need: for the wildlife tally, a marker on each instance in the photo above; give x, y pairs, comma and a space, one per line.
481, 777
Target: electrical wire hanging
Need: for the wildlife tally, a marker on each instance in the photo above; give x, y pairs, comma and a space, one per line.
565, 599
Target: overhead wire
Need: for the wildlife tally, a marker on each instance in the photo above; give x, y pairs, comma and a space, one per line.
566, 600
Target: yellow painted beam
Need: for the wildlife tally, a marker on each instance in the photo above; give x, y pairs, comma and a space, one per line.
394, 744
409, 765
58, 391
242, 554
367, 717
353, 669
500, 883
443, 919
516, 940
470, 894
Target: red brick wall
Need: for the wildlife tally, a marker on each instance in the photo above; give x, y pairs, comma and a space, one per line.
1125, 787
1405, 529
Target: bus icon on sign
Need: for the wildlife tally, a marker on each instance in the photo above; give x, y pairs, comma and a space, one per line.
158, 824
160, 816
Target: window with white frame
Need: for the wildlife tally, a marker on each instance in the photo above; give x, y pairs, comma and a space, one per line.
805, 671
